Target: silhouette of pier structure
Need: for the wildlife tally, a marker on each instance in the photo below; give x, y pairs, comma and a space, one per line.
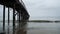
19, 7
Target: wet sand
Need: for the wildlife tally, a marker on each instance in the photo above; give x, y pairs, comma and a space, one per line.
39, 28
42, 32
44, 28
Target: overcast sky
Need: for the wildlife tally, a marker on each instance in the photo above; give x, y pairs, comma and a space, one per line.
43, 7
40, 8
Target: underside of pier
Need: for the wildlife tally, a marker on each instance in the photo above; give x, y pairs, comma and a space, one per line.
22, 14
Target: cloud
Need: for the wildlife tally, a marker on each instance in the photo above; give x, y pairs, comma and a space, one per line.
43, 7
39, 8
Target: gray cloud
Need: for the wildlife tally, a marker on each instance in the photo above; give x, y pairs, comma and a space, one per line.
39, 8
43, 7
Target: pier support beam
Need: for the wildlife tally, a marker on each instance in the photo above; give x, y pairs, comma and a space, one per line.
8, 19
14, 19
19, 21
3, 18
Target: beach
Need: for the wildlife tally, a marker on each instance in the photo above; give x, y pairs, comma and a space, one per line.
38, 28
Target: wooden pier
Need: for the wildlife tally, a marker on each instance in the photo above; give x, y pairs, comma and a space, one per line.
18, 7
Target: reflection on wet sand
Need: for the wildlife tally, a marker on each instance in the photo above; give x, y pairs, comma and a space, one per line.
21, 31
33, 28
21, 28
9, 29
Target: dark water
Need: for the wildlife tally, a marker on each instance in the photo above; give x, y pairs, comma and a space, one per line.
37, 27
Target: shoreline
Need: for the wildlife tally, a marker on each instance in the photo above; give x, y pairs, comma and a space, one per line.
34, 21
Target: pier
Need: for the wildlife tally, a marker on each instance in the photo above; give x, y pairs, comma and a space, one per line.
20, 10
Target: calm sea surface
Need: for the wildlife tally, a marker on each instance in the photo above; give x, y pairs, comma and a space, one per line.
38, 27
